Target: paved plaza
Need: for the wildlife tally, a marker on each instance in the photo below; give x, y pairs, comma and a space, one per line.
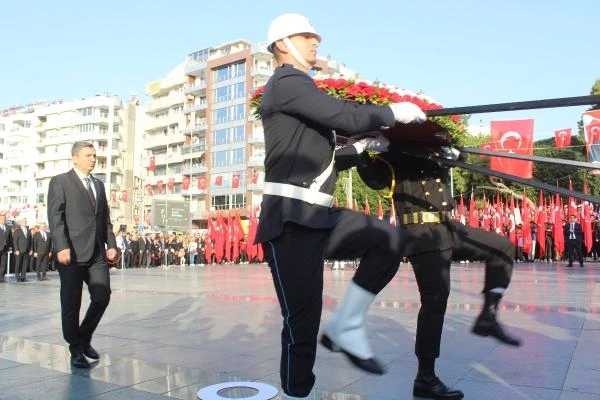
170, 332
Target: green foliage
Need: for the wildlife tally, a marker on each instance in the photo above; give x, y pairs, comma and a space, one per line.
360, 192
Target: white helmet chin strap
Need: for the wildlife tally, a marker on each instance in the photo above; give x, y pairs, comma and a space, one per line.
296, 54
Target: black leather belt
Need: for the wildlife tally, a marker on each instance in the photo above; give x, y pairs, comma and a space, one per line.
426, 217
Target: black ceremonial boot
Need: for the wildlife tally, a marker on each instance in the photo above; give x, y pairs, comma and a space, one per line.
488, 325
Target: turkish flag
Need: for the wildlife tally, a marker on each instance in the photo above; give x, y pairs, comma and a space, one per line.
513, 137
152, 164
254, 176
149, 190
473, 219
591, 126
219, 180
113, 196
171, 184
185, 184
159, 186
562, 138
124, 196
485, 146
202, 182
367, 208
379, 210
572, 209
235, 182
541, 223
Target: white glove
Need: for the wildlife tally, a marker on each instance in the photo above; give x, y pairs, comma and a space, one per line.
378, 143
406, 112
449, 153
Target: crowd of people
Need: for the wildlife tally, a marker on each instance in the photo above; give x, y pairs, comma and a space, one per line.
194, 249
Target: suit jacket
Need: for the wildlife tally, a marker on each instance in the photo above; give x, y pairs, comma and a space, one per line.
578, 231
5, 239
73, 222
40, 245
21, 241
299, 120
143, 244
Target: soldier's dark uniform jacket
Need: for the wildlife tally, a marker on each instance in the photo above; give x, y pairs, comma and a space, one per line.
421, 196
298, 150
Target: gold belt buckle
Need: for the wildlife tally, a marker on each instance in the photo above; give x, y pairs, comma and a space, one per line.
429, 217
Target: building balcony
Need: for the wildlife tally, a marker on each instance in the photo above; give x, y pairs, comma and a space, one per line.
195, 68
256, 139
45, 173
194, 191
198, 128
186, 149
196, 170
195, 108
164, 103
261, 72
153, 124
255, 187
257, 161
261, 51
103, 152
196, 88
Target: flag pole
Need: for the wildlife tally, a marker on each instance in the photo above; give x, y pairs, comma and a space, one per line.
516, 106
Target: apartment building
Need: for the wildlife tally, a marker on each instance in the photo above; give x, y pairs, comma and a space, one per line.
37, 141
204, 150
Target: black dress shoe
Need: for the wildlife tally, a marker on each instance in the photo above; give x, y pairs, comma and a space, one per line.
79, 361
581, 265
90, 352
491, 327
369, 364
569, 266
434, 388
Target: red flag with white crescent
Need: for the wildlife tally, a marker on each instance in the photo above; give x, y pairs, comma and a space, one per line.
514, 136
562, 138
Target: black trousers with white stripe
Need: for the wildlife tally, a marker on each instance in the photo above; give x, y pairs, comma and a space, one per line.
296, 260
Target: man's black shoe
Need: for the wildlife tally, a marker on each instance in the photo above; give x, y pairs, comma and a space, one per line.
491, 327
369, 364
90, 352
434, 388
569, 266
79, 361
581, 266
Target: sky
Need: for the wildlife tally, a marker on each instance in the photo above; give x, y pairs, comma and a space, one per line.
460, 53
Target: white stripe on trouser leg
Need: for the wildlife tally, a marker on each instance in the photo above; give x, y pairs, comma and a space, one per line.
347, 326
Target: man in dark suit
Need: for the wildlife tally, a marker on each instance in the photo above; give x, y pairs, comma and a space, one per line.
5, 245
83, 237
143, 246
42, 251
573, 240
134, 246
21, 249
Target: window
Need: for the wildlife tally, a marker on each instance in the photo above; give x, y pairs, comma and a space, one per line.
219, 202
219, 158
220, 115
238, 156
86, 112
238, 200
239, 90
104, 113
222, 94
220, 136
85, 128
239, 111
230, 71
239, 134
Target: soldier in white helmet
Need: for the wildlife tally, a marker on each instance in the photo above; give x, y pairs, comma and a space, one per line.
298, 226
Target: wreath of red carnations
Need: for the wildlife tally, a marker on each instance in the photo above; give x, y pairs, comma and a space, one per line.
365, 92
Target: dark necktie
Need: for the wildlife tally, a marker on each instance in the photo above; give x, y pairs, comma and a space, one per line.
90, 192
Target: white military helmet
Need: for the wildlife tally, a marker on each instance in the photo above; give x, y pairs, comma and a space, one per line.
287, 25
